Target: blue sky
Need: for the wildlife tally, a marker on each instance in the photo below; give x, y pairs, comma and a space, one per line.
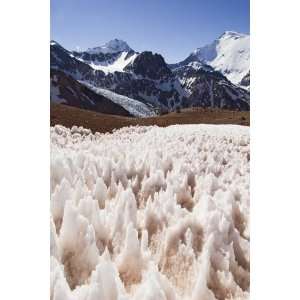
172, 28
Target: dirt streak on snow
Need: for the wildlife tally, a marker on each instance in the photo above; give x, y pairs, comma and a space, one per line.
150, 213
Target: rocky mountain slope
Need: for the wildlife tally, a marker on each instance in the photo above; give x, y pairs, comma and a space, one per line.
66, 90
245, 82
209, 88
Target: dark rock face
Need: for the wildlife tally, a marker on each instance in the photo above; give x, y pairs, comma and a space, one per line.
60, 59
65, 89
64, 60
149, 65
211, 89
89, 57
148, 91
246, 80
150, 80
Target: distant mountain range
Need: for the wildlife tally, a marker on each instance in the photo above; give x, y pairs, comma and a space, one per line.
143, 84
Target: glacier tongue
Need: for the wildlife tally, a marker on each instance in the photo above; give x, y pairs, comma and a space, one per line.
150, 213
135, 107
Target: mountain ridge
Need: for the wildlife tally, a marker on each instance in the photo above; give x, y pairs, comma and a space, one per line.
147, 78
112, 46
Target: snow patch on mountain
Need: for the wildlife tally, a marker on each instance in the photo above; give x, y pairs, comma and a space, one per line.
229, 54
196, 65
117, 65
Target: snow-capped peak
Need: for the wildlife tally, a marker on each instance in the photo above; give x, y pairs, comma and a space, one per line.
229, 54
113, 46
232, 34
54, 43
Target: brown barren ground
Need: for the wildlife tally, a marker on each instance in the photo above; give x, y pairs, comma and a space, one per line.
97, 122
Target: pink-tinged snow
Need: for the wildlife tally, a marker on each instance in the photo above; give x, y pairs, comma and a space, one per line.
150, 213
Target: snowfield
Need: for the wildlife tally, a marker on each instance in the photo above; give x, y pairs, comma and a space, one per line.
150, 213
118, 65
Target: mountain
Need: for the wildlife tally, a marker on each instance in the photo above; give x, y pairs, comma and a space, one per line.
65, 89
113, 56
209, 88
146, 78
229, 54
64, 60
136, 79
113, 46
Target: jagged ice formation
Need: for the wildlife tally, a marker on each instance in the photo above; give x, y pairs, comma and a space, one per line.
150, 213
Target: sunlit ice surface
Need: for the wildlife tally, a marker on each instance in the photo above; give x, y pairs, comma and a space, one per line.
150, 213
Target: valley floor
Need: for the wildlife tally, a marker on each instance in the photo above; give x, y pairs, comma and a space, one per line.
97, 122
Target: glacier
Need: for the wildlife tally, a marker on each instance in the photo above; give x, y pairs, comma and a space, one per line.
150, 213
135, 107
